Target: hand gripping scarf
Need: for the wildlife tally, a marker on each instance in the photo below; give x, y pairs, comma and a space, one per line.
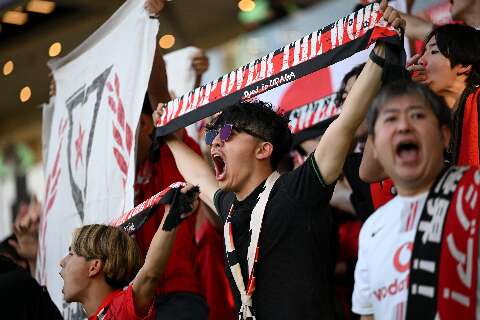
180, 207
246, 310
444, 263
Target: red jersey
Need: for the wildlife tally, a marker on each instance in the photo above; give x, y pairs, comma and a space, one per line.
466, 131
211, 264
119, 305
180, 274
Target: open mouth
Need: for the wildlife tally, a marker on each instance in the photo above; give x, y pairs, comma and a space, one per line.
408, 151
219, 164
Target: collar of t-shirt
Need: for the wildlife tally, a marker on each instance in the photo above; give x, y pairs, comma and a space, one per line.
414, 197
251, 199
102, 309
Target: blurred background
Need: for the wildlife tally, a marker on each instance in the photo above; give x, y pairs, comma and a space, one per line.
232, 33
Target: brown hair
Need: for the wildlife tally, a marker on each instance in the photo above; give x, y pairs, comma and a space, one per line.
114, 247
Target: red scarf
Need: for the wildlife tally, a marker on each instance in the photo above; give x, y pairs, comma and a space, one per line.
444, 263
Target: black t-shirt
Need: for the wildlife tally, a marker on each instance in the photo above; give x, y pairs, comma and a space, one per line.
292, 279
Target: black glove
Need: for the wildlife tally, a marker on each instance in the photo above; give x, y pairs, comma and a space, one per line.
181, 205
134, 224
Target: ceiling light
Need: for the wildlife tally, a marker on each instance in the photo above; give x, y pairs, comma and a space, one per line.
8, 67
25, 94
40, 6
166, 41
55, 49
246, 5
15, 17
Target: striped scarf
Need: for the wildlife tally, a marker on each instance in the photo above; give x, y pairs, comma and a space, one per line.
246, 310
444, 262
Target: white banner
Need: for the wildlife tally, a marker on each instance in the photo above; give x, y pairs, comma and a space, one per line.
180, 73
90, 152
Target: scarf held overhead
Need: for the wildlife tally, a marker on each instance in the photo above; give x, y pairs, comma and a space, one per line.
321, 48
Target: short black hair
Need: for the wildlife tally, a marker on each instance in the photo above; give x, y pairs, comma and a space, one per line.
461, 45
355, 72
258, 117
408, 87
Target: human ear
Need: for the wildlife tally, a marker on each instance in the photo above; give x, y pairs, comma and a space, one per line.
446, 134
96, 266
264, 150
463, 69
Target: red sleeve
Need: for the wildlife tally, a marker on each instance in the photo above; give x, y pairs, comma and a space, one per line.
123, 307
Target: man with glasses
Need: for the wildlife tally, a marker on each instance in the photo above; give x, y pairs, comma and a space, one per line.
277, 229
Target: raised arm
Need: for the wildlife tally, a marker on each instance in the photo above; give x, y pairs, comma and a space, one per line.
156, 260
415, 27
200, 64
334, 146
157, 84
335, 143
370, 169
26, 232
193, 168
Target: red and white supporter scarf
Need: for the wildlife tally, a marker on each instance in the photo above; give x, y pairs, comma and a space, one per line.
444, 263
335, 42
133, 220
246, 310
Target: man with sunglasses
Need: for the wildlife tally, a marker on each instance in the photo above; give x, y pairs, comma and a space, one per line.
281, 271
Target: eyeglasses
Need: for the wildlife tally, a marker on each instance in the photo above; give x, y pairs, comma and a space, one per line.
225, 132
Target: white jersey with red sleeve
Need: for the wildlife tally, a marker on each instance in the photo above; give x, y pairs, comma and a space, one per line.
385, 247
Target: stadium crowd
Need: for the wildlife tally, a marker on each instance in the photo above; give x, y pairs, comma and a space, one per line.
360, 225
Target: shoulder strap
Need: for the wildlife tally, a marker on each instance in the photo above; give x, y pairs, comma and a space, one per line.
256, 223
246, 310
